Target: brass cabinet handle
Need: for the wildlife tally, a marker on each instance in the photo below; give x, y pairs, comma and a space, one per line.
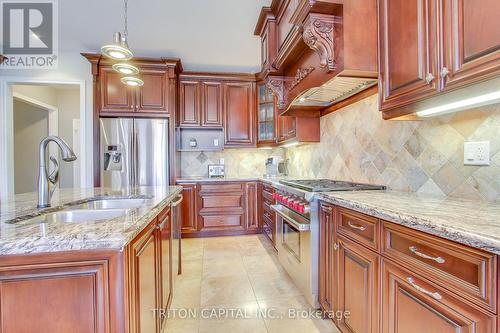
354, 226
434, 295
335, 246
414, 250
429, 78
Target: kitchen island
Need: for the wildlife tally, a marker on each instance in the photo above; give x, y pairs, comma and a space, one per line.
108, 275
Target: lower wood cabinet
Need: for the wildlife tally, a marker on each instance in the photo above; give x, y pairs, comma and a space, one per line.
357, 275
398, 280
413, 305
98, 291
219, 208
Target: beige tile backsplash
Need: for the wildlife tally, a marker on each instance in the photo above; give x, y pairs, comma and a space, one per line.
239, 162
418, 156
357, 145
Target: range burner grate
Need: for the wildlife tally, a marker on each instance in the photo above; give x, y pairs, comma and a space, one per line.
328, 185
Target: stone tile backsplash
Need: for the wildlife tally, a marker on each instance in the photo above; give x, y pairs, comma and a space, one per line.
416, 156
238, 162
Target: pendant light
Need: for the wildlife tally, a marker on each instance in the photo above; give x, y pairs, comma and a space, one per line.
126, 68
119, 49
132, 81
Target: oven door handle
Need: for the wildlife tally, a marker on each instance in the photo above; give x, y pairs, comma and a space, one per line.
299, 226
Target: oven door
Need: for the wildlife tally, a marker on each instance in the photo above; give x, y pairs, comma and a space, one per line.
291, 228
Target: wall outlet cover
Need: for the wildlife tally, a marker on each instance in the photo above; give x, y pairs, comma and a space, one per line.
477, 153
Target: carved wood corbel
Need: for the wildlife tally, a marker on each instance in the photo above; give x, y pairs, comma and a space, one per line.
277, 84
319, 35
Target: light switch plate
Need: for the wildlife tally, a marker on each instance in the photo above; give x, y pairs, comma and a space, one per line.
216, 142
221, 160
477, 153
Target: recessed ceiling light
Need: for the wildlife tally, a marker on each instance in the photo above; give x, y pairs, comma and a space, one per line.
126, 69
132, 81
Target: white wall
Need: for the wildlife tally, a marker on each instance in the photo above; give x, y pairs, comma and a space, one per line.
30, 127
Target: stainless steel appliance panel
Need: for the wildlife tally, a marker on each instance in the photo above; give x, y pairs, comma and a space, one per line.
116, 133
151, 155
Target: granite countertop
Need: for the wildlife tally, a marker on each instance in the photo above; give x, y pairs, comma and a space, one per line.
25, 236
230, 179
473, 223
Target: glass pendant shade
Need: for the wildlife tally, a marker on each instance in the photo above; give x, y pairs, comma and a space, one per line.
126, 69
118, 50
132, 81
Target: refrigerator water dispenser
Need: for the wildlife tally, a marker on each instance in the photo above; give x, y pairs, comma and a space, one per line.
113, 157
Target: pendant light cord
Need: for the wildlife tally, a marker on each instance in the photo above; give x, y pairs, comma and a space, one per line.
125, 32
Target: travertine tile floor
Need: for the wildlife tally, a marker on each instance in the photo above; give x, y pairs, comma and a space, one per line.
236, 285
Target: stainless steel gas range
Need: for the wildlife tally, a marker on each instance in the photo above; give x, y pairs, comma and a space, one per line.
297, 228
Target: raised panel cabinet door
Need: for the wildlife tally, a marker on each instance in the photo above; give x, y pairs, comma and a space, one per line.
412, 304
189, 210
472, 41
408, 65
357, 272
144, 270
252, 209
152, 96
211, 108
189, 103
75, 295
239, 113
114, 95
165, 229
326, 257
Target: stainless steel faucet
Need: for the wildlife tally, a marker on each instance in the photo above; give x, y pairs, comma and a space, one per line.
45, 181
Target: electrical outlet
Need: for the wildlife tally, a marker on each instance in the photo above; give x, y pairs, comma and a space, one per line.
221, 160
216, 142
477, 153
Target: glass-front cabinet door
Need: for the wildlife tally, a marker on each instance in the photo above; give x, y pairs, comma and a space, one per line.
266, 122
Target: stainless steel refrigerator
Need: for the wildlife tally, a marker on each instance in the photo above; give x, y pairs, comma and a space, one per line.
134, 152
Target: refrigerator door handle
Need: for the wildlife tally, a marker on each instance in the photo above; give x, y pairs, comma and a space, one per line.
131, 158
136, 161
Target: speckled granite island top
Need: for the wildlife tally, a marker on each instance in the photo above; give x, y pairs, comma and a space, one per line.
472, 223
25, 237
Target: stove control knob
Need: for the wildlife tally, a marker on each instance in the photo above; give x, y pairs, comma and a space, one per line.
307, 209
300, 208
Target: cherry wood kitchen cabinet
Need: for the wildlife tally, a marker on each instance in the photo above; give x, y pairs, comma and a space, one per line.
189, 210
144, 272
430, 47
266, 118
327, 261
251, 206
412, 304
239, 114
408, 46
100, 291
357, 289
471, 35
219, 208
286, 128
267, 216
200, 103
394, 279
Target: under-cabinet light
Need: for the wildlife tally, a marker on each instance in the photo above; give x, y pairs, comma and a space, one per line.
291, 144
464, 104
266, 148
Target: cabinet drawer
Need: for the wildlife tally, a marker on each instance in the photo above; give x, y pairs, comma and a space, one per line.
360, 227
415, 304
218, 187
466, 271
222, 221
221, 201
268, 196
268, 230
267, 208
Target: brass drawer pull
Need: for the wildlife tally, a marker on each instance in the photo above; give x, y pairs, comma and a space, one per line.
413, 249
354, 226
434, 295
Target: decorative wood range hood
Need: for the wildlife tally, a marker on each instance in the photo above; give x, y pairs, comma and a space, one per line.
320, 55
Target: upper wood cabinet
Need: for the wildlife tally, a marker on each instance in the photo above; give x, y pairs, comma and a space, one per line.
286, 128
200, 103
189, 103
156, 98
266, 118
239, 114
408, 63
114, 95
471, 35
428, 47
